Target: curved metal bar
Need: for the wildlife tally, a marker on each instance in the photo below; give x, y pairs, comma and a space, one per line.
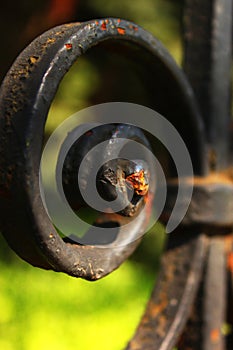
25, 98
174, 293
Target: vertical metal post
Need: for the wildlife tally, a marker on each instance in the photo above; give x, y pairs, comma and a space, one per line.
207, 63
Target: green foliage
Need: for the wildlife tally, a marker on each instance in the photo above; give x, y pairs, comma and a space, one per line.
74, 92
47, 310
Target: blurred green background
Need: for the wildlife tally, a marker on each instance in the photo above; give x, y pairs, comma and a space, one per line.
51, 311
47, 310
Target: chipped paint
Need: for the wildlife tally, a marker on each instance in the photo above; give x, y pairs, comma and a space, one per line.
121, 31
68, 46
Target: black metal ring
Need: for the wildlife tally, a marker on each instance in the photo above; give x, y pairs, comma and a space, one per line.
25, 98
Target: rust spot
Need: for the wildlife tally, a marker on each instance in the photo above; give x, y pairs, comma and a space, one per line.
160, 330
119, 21
133, 27
68, 46
230, 261
156, 309
214, 335
225, 176
50, 40
138, 182
121, 30
32, 59
134, 345
103, 26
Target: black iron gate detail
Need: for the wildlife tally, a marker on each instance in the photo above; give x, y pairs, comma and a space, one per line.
192, 299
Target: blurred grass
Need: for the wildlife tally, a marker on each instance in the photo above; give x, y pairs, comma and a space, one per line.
74, 92
48, 310
44, 310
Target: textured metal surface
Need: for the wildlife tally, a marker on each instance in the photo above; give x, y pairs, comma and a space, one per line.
208, 40
188, 307
208, 311
210, 322
215, 302
25, 98
229, 261
211, 203
208, 46
172, 298
113, 178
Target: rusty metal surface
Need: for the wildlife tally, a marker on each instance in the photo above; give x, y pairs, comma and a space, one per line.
229, 261
208, 46
188, 306
215, 303
206, 321
210, 322
115, 176
191, 337
174, 293
212, 199
25, 98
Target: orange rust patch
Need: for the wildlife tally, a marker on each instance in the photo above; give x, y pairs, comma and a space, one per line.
215, 335
148, 199
103, 26
230, 261
119, 21
160, 330
68, 46
225, 176
32, 59
51, 40
134, 345
137, 181
133, 27
155, 310
121, 30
